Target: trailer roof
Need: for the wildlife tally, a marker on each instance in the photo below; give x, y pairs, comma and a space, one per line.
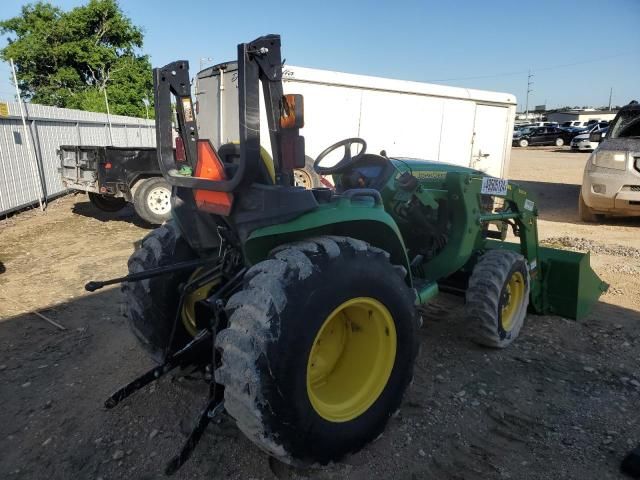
328, 77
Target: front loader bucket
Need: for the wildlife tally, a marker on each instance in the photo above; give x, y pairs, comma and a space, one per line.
570, 287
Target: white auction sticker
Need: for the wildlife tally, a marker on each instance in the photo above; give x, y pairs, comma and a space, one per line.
494, 186
528, 205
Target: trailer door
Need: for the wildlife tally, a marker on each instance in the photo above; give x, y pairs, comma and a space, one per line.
490, 139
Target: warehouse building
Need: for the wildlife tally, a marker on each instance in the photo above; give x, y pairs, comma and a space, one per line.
581, 115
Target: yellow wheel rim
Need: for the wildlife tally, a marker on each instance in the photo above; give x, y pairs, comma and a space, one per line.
188, 313
513, 298
351, 359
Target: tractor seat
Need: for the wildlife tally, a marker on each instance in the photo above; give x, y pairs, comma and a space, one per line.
229, 154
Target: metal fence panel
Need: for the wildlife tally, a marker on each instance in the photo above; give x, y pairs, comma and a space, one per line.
50, 136
50, 127
21, 184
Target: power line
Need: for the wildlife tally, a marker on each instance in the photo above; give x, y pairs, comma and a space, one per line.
542, 69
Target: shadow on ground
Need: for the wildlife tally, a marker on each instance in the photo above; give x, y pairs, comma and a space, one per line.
127, 214
548, 400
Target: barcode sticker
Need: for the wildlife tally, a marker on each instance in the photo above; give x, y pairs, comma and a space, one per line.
528, 205
494, 186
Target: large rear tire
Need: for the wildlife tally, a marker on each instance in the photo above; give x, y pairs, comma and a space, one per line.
319, 349
107, 203
497, 298
151, 305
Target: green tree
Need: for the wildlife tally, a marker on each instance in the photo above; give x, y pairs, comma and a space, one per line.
68, 59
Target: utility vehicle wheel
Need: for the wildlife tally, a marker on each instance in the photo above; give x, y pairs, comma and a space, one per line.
152, 200
307, 177
586, 214
107, 203
497, 298
319, 349
524, 142
559, 142
151, 305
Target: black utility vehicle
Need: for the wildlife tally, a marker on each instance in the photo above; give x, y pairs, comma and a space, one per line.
544, 136
113, 176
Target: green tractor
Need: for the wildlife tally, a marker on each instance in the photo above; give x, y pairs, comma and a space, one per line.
302, 304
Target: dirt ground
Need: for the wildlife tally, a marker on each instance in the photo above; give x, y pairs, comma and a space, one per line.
561, 402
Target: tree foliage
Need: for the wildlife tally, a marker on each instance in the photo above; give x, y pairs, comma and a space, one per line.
67, 59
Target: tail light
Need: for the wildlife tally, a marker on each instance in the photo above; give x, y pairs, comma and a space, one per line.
180, 154
210, 167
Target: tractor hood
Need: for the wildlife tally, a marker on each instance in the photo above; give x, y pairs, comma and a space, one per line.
418, 165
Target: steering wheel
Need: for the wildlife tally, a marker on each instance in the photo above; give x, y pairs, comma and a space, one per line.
346, 161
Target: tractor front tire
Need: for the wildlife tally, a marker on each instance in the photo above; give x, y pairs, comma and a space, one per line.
319, 349
497, 298
151, 305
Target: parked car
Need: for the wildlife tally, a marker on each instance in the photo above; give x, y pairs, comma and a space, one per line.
544, 136
582, 141
611, 181
573, 124
519, 132
544, 124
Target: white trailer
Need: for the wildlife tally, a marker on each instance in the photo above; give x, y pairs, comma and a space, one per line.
406, 119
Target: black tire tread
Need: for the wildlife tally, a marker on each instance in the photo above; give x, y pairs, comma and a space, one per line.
140, 308
107, 203
244, 341
482, 298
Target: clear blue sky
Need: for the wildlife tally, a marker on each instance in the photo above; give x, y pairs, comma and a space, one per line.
577, 49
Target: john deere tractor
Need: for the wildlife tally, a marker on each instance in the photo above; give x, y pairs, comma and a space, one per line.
301, 305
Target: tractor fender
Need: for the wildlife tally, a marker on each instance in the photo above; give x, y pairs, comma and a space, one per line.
357, 217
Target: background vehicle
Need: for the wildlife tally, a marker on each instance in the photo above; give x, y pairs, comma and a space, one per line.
466, 127
301, 304
113, 176
544, 124
573, 123
611, 181
543, 136
583, 142
525, 130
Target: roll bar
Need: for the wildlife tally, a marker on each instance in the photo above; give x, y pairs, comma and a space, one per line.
259, 61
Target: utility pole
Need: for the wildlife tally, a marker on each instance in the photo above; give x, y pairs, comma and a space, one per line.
203, 60
145, 100
529, 90
610, 94
34, 164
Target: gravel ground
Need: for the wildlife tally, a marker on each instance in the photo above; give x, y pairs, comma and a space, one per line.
561, 402
586, 245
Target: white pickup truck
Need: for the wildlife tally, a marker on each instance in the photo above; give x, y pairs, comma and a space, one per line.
611, 181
